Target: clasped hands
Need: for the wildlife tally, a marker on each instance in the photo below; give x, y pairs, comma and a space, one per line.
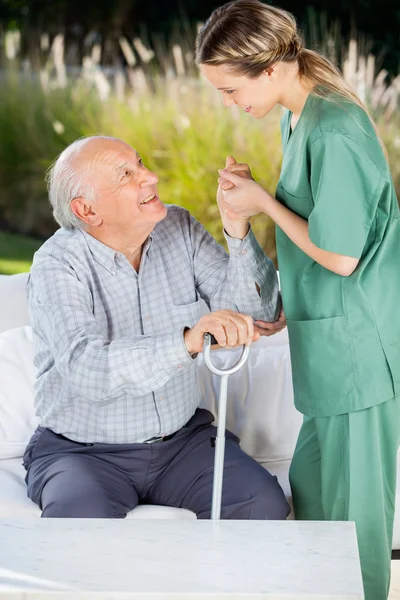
239, 198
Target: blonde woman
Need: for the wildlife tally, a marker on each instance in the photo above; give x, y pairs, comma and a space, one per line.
338, 243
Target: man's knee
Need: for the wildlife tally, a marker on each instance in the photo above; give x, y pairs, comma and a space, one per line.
269, 501
261, 497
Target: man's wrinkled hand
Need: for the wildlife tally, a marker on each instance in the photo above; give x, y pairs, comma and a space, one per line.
229, 328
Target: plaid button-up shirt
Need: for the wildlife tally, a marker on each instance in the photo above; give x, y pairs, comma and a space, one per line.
112, 365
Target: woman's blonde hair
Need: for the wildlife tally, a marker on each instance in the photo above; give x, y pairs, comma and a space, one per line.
249, 37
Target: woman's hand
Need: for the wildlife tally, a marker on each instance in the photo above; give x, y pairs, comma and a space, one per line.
264, 328
245, 198
235, 225
232, 166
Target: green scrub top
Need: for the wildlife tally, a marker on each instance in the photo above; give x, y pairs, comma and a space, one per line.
344, 332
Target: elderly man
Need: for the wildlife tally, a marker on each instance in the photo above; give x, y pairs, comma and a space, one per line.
114, 303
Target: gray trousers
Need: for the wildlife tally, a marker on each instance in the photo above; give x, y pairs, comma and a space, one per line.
71, 479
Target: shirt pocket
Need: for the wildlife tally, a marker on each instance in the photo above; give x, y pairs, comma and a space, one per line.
186, 315
322, 366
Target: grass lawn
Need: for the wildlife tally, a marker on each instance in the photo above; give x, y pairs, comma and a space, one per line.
16, 252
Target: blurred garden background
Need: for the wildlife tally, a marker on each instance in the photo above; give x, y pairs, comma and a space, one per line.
125, 68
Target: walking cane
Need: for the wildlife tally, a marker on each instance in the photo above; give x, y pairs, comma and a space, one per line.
220, 439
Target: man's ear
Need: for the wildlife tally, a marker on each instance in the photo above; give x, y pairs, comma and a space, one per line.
85, 212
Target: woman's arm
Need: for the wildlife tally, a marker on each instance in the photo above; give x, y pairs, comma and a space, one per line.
296, 228
248, 198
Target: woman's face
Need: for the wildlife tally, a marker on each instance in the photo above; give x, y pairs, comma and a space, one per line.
257, 96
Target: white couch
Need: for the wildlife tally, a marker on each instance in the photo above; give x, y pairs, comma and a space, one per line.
260, 406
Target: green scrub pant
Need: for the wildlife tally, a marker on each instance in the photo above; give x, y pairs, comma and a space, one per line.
344, 469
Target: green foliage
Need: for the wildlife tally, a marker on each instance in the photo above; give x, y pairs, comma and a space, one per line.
181, 130
178, 125
29, 143
16, 252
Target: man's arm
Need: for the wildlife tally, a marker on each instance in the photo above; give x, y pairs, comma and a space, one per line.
62, 316
230, 281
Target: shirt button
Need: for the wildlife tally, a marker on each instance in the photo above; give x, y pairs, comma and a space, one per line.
243, 252
147, 318
161, 397
180, 366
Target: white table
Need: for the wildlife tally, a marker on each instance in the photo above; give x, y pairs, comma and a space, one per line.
176, 560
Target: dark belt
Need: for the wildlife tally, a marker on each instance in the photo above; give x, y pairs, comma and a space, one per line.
160, 438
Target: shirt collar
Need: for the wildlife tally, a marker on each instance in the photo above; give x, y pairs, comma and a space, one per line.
105, 255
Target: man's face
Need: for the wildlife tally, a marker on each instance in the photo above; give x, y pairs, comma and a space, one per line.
125, 190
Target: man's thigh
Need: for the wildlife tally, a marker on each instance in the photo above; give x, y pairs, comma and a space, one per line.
73, 484
249, 491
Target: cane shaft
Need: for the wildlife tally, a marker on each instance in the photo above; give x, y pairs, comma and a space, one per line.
219, 450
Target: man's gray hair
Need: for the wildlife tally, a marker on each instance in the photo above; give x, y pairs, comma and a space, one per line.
66, 182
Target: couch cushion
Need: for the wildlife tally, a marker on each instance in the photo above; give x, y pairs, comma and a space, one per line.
13, 303
13, 499
17, 375
152, 511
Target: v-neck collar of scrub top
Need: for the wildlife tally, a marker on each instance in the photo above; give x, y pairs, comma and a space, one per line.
290, 133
